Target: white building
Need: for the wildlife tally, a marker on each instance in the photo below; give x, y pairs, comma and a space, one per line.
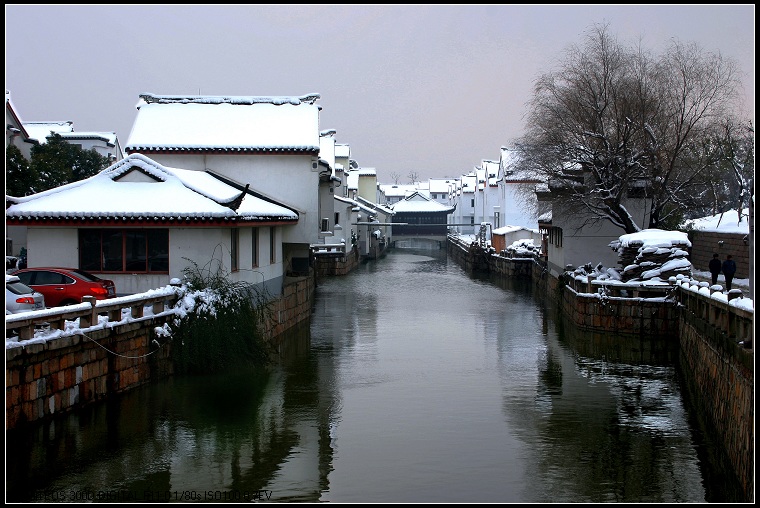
270, 144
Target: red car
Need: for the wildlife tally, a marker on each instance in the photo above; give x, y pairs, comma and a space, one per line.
65, 286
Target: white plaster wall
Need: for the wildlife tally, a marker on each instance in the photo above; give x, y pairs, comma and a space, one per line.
367, 187
591, 244
208, 247
288, 179
52, 247
512, 211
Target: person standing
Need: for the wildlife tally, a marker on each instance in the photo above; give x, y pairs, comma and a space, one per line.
729, 269
715, 268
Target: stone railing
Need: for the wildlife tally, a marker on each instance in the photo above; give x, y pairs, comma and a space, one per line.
328, 249
723, 312
90, 313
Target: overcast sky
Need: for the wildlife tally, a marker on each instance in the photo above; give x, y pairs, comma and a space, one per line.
429, 89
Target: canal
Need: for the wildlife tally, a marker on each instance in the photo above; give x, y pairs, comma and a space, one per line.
414, 382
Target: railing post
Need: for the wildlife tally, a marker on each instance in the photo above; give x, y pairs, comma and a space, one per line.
92, 318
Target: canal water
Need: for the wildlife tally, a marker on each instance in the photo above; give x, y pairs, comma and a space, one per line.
413, 382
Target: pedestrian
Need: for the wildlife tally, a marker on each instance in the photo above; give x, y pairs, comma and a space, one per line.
729, 269
715, 267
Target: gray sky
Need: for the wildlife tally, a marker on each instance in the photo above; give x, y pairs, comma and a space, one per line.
430, 89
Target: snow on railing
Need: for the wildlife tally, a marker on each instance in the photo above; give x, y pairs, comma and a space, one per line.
91, 313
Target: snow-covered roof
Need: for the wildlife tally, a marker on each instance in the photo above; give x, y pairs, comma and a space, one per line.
397, 191
510, 229
469, 183
230, 124
138, 187
354, 203
384, 209
418, 202
491, 169
41, 130
352, 179
726, 222
441, 184
108, 137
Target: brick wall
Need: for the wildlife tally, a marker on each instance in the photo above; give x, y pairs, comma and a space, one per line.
292, 308
721, 379
60, 374
706, 243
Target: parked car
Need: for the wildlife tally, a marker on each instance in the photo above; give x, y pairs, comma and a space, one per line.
65, 286
21, 298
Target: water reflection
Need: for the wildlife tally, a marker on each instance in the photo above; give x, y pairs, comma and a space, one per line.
414, 382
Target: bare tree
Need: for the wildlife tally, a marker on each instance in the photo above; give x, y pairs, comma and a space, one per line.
413, 177
395, 178
614, 122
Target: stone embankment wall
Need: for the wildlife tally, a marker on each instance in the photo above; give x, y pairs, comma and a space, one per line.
720, 375
293, 307
328, 266
712, 340
60, 374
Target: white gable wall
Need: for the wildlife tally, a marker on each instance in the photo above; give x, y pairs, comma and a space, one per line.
288, 179
512, 211
591, 243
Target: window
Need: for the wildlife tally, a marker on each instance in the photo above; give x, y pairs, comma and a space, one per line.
472, 203
496, 219
255, 247
325, 225
124, 250
272, 250
234, 248
555, 236
472, 221
337, 218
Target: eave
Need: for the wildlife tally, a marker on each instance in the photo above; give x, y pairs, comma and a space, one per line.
148, 221
309, 150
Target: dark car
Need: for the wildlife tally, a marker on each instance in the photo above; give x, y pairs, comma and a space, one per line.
66, 286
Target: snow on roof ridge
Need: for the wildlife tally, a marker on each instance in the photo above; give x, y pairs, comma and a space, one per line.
228, 99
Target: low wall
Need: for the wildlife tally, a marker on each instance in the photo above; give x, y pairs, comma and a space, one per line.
114, 349
59, 374
471, 256
719, 373
292, 308
511, 267
334, 265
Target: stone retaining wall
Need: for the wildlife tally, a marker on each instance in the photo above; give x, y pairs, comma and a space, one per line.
712, 341
60, 374
328, 266
720, 378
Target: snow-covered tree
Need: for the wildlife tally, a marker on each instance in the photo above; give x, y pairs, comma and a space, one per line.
614, 122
